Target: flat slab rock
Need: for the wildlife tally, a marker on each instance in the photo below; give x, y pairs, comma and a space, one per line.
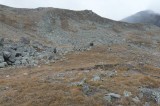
111, 96
114, 95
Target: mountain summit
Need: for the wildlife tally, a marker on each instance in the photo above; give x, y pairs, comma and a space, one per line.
148, 16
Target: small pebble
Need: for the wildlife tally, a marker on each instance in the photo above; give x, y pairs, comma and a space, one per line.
7, 76
25, 74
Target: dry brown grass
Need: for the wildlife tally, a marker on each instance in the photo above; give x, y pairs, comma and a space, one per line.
139, 39
41, 88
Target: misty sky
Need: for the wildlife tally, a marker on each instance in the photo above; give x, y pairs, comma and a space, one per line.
113, 9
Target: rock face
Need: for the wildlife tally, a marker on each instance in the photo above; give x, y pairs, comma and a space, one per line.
144, 17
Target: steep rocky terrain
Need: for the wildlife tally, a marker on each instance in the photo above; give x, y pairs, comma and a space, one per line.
147, 16
57, 57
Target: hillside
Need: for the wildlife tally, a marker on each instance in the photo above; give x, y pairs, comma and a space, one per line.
147, 16
57, 57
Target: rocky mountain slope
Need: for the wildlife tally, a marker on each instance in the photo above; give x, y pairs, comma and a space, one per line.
76, 58
60, 30
147, 16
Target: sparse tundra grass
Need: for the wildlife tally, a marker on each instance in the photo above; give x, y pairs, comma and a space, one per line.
50, 85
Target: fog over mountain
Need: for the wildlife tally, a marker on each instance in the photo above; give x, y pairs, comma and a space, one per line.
155, 6
148, 16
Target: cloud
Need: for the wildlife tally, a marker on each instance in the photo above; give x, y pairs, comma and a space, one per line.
155, 5
113, 9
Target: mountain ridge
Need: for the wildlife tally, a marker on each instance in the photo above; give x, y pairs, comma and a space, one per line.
146, 16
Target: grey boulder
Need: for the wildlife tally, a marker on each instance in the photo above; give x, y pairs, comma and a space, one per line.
3, 64
1, 59
152, 94
6, 54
